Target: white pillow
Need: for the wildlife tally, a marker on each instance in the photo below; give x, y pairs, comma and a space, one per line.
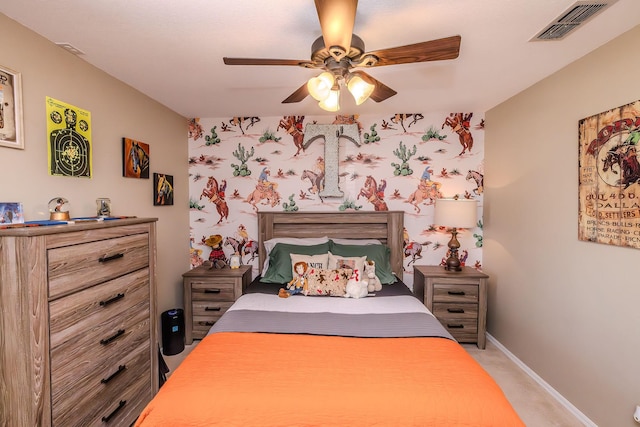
338, 261
357, 241
301, 241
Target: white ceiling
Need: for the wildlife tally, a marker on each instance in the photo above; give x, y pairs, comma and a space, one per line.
172, 50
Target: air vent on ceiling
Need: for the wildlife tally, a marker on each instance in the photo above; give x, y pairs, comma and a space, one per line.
572, 18
70, 48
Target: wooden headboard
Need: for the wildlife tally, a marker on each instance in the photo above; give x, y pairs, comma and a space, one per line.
386, 226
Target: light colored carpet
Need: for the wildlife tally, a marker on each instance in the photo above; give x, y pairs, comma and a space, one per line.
536, 407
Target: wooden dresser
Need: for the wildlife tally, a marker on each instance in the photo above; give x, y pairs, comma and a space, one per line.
457, 298
78, 319
208, 293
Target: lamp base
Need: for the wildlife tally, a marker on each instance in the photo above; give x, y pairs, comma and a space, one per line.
453, 262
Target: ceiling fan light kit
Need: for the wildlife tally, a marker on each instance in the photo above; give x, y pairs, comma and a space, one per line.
338, 51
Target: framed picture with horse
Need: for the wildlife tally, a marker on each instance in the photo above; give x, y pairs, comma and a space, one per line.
162, 189
135, 159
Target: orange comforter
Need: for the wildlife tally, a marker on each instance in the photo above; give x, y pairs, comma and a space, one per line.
254, 379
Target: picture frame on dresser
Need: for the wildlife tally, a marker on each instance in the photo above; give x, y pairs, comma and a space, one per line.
11, 125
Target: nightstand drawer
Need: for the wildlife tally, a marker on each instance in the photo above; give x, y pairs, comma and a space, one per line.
213, 290
446, 311
455, 293
212, 309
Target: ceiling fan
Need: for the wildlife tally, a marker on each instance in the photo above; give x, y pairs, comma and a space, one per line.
340, 54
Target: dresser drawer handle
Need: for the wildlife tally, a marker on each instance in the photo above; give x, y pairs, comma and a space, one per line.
120, 370
455, 326
456, 293
209, 323
114, 412
111, 300
455, 310
212, 309
108, 340
212, 291
110, 258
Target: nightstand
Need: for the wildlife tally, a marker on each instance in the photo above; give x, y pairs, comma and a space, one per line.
458, 299
208, 293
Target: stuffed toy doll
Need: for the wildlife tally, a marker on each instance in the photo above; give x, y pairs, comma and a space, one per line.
298, 284
369, 276
217, 257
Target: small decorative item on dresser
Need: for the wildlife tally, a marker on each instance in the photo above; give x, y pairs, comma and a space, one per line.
59, 209
234, 261
103, 207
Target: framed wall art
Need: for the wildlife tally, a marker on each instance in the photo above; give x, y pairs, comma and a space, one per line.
11, 128
609, 180
162, 189
135, 159
11, 213
69, 135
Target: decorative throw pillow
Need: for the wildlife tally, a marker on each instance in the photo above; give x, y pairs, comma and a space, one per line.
353, 263
327, 282
313, 261
300, 241
280, 261
378, 253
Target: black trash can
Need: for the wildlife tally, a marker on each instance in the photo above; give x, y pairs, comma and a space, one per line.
172, 331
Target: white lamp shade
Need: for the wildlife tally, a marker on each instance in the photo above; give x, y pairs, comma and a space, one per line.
359, 88
320, 87
459, 213
332, 102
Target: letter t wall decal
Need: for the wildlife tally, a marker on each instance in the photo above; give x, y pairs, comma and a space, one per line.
331, 135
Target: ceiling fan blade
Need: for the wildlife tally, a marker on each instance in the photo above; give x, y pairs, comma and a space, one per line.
337, 18
297, 96
266, 61
434, 50
381, 91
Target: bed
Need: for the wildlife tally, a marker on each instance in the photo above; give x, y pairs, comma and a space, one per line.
326, 360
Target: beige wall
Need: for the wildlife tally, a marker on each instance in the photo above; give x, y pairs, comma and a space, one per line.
117, 111
568, 309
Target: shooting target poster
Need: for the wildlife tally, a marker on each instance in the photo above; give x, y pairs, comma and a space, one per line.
69, 139
609, 177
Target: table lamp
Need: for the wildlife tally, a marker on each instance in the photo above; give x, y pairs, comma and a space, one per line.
455, 213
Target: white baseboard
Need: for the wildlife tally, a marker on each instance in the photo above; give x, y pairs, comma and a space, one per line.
553, 392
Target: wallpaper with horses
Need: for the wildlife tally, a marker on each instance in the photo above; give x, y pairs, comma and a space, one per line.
241, 165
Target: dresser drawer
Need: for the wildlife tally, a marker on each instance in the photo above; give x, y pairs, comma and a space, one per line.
455, 293
96, 312
213, 289
112, 396
79, 266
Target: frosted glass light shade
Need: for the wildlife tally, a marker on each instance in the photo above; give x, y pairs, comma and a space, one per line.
459, 213
332, 102
359, 88
320, 87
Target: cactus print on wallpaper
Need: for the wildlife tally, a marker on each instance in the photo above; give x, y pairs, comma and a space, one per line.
241, 165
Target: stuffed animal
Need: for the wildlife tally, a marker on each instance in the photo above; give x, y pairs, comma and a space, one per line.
297, 285
356, 288
373, 283
217, 257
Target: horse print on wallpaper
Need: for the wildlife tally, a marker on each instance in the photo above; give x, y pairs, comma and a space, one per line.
135, 159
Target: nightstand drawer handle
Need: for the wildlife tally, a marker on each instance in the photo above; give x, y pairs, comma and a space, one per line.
455, 310
111, 300
114, 412
212, 291
209, 323
455, 326
111, 338
212, 308
456, 293
120, 370
110, 258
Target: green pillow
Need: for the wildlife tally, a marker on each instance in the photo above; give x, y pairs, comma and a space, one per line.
279, 270
378, 253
